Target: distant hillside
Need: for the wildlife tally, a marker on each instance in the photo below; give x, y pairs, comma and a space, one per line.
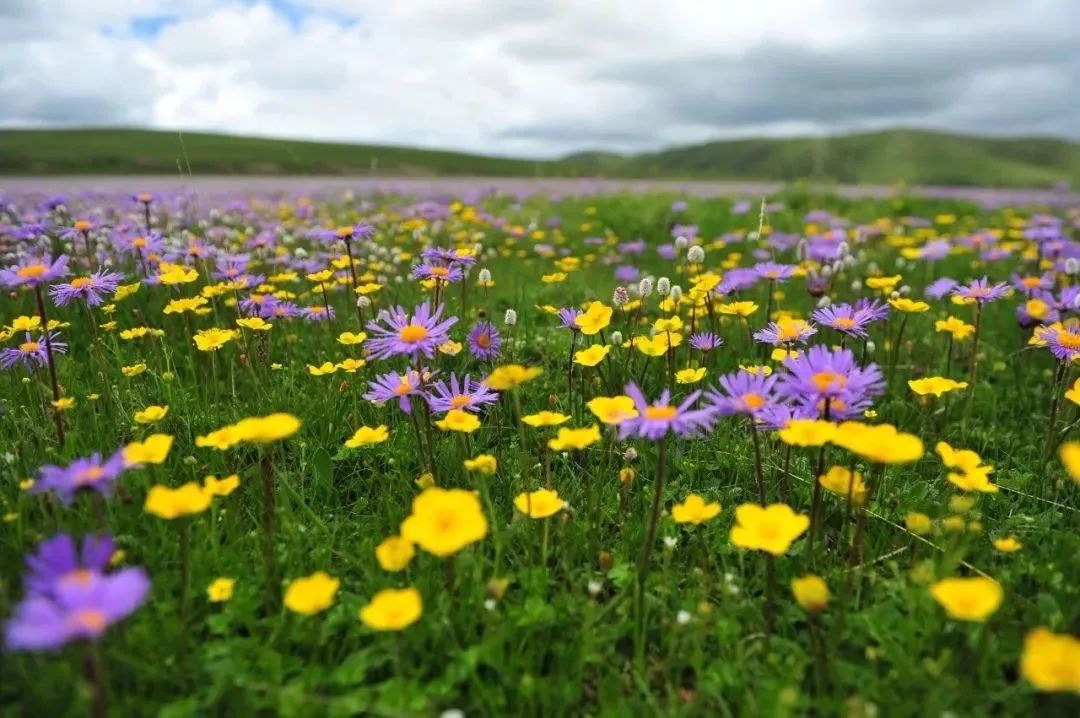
887, 157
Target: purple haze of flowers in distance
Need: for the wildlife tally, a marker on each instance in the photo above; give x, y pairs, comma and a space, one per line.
654, 421
92, 472
32, 271
823, 380
90, 289
627, 273
484, 340
418, 333
463, 394
70, 598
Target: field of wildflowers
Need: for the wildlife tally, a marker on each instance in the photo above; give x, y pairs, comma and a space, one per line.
495, 455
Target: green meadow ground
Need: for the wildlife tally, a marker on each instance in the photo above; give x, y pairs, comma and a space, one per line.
883, 158
548, 646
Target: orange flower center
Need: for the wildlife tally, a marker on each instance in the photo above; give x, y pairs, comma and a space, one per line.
344, 232
89, 476
82, 225
30, 347
826, 380
79, 576
440, 271
90, 619
80, 282
662, 413
1069, 341
413, 333
460, 401
844, 322
483, 340
403, 388
753, 401
139, 243
32, 271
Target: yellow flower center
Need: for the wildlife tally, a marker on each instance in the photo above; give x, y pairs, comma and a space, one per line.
662, 413
403, 388
1031, 282
769, 532
80, 282
32, 271
753, 401
844, 322
29, 347
439, 271
1069, 341
413, 333
82, 225
80, 576
344, 232
139, 243
826, 380
483, 340
90, 619
89, 476
460, 401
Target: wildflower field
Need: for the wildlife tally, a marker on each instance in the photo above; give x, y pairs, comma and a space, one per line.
499, 455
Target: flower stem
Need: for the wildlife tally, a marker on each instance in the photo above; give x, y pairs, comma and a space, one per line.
52, 364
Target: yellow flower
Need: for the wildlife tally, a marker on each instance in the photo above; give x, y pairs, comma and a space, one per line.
133, 370
323, 369
224, 438
690, 375
553, 278
450, 348
592, 356
770, 528
266, 429
880, 443
910, 306
392, 609
1073, 394
973, 475
213, 339
742, 309
1007, 544
255, 324
126, 290
959, 329
885, 284
936, 385
509, 376
838, 481
612, 409
1070, 459
811, 592
968, 599
311, 594
321, 276
444, 521
756, 369
174, 274
394, 553
166, 503
349, 339
780, 354
575, 438
545, 418
668, 324
595, 318
64, 403
350, 365
652, 346
807, 432
366, 436
179, 306
458, 420
152, 450
220, 590
1051, 661
918, 523
221, 487
482, 464
694, 510
151, 414
539, 504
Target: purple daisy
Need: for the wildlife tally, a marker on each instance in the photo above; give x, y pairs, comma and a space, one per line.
655, 420
284, 310
1032, 283
419, 333
58, 561
1036, 309
87, 473
871, 310
705, 341
32, 353
744, 392
90, 289
773, 272
568, 316
844, 318
439, 272
982, 291
32, 271
830, 382
346, 233
737, 280
484, 340
443, 255
464, 394
785, 332
392, 385
940, 287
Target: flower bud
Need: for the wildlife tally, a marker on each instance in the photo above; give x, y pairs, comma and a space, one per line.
484, 275
511, 318
695, 254
681, 242
645, 287
676, 294
616, 338
870, 347
663, 286
621, 297
1072, 265
363, 301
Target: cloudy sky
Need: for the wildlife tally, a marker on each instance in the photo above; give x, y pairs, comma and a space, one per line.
542, 77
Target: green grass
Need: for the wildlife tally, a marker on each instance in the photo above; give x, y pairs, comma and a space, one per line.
546, 647
889, 157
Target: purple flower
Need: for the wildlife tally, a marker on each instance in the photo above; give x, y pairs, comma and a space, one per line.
982, 291
737, 280
464, 394
744, 392
90, 289
568, 316
1031, 283
419, 333
484, 340
1062, 340
844, 318
786, 331
667, 251
443, 255
345, 233
774, 272
33, 271
830, 382
142, 245
1038, 308
627, 273
32, 353
318, 313
871, 310
392, 385
79, 610
686, 231
284, 310
89, 473
58, 562
440, 272
262, 305
940, 287
654, 421
705, 341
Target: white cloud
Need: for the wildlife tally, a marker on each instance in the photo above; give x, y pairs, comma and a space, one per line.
524, 77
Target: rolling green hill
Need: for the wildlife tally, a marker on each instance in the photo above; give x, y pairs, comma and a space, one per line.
887, 157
